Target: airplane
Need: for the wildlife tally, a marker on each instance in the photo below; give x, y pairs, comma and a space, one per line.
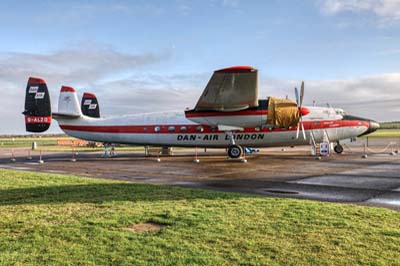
227, 115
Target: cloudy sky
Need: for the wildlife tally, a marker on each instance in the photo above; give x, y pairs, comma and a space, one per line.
146, 56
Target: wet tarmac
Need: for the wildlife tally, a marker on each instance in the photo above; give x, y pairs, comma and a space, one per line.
277, 172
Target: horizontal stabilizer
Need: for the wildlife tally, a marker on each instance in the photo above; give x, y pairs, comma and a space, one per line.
64, 116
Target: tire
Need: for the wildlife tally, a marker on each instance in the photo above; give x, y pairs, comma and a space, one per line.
338, 149
234, 151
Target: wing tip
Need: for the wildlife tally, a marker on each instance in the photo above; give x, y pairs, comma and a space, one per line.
236, 69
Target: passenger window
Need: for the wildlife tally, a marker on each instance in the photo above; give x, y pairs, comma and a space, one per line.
157, 129
200, 129
171, 129
183, 129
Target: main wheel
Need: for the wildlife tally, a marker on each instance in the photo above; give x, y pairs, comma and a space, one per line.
338, 149
234, 151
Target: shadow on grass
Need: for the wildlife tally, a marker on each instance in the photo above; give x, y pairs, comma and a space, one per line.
98, 193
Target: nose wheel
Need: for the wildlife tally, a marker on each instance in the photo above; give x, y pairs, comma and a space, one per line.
234, 151
338, 149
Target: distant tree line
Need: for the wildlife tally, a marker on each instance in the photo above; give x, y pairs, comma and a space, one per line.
390, 125
33, 136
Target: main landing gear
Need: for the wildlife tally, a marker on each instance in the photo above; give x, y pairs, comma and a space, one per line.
109, 150
234, 151
338, 148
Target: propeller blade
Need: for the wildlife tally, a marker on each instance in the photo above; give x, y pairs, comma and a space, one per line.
301, 93
302, 130
298, 130
296, 92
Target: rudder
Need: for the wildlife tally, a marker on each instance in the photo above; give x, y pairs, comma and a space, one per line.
37, 106
90, 106
68, 103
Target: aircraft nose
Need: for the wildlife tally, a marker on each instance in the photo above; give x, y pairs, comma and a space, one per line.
373, 126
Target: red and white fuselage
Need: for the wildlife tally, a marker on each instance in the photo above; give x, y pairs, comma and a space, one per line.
175, 129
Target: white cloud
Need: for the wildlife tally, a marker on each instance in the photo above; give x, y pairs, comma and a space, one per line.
97, 70
336, 6
374, 97
150, 93
86, 65
387, 11
230, 3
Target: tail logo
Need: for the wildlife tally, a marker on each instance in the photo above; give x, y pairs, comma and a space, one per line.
87, 102
39, 95
33, 89
92, 106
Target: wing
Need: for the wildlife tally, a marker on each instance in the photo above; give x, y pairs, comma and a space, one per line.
230, 89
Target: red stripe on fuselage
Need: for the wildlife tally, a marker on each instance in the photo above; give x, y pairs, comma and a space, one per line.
190, 129
236, 113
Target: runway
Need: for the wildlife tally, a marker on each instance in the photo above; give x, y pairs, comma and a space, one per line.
292, 172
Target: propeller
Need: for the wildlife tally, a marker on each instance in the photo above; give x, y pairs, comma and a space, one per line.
299, 102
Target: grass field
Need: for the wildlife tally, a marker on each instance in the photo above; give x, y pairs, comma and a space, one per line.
390, 125
27, 142
385, 133
48, 219
48, 144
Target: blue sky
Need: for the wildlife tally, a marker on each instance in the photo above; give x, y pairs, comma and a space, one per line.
347, 51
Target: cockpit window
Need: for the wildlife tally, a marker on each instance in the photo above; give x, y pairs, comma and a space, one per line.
340, 112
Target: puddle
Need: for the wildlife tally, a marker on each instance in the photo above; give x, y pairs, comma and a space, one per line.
386, 202
351, 182
15, 167
185, 183
20, 168
389, 199
137, 178
55, 171
277, 191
